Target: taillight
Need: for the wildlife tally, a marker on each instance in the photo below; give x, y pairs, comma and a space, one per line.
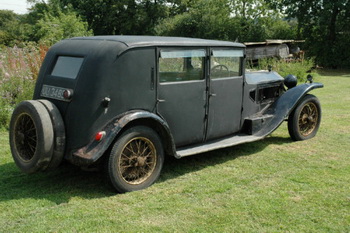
100, 135
68, 94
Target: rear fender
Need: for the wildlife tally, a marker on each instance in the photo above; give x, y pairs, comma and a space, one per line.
94, 150
284, 105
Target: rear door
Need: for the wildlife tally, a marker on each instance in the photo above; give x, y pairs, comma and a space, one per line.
182, 93
225, 92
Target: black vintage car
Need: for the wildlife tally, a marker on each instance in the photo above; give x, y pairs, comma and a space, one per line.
128, 101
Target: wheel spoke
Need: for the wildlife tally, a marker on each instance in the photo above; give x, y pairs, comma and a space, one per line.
138, 146
145, 148
131, 150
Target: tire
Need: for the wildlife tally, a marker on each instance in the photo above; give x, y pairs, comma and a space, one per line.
59, 134
31, 136
305, 119
136, 160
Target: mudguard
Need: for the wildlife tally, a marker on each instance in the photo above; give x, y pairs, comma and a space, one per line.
94, 150
284, 105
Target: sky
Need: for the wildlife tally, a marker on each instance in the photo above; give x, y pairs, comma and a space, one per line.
18, 6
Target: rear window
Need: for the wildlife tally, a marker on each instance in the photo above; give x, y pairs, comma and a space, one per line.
67, 67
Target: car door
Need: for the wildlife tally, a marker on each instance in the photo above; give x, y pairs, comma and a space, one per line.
225, 92
182, 93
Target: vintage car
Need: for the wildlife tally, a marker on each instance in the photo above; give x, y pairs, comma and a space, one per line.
129, 101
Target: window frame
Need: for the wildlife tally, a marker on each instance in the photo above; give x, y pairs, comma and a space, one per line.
203, 67
240, 58
76, 71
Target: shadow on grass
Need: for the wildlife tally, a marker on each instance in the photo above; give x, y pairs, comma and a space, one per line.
58, 186
178, 167
338, 72
68, 181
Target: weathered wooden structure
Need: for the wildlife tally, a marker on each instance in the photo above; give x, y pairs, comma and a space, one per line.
272, 48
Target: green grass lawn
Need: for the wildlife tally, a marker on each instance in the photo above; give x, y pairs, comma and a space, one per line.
268, 186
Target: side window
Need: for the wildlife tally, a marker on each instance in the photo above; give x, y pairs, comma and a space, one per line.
181, 65
226, 63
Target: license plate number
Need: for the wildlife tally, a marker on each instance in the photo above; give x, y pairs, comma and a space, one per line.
53, 92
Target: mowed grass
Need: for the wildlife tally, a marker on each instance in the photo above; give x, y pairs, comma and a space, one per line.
273, 185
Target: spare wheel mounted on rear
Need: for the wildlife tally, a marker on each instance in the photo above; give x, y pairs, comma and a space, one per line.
59, 134
33, 136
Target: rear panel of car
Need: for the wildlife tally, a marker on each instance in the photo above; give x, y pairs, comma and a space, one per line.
93, 71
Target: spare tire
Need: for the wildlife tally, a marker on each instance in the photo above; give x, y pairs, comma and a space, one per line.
59, 143
31, 136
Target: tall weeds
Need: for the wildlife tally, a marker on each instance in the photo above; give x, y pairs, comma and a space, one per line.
19, 68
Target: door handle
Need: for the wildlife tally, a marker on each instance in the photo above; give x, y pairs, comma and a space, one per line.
212, 94
160, 101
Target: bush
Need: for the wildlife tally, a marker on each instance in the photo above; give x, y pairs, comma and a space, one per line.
19, 68
298, 68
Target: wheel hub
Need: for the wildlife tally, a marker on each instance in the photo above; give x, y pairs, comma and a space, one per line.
20, 137
141, 161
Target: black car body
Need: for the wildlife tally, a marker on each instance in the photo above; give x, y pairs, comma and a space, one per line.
107, 95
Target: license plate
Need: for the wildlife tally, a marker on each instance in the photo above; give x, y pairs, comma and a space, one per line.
53, 92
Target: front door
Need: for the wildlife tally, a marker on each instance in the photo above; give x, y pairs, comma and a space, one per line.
182, 93
225, 92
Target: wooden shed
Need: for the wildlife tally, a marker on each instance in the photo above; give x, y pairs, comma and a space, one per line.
272, 48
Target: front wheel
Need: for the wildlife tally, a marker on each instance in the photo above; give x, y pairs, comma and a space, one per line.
136, 160
304, 120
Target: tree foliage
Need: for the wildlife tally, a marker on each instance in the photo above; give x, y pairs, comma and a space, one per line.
242, 20
324, 25
204, 19
13, 28
45, 22
106, 17
54, 27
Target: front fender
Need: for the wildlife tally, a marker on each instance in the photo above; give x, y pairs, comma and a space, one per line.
284, 105
94, 150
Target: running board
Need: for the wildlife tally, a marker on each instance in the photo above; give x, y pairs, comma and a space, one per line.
216, 144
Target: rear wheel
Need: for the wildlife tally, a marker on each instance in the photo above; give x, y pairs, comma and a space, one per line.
31, 136
304, 121
136, 159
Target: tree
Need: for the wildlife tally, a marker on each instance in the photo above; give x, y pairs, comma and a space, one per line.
109, 17
13, 28
324, 25
204, 19
53, 28
251, 9
242, 20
